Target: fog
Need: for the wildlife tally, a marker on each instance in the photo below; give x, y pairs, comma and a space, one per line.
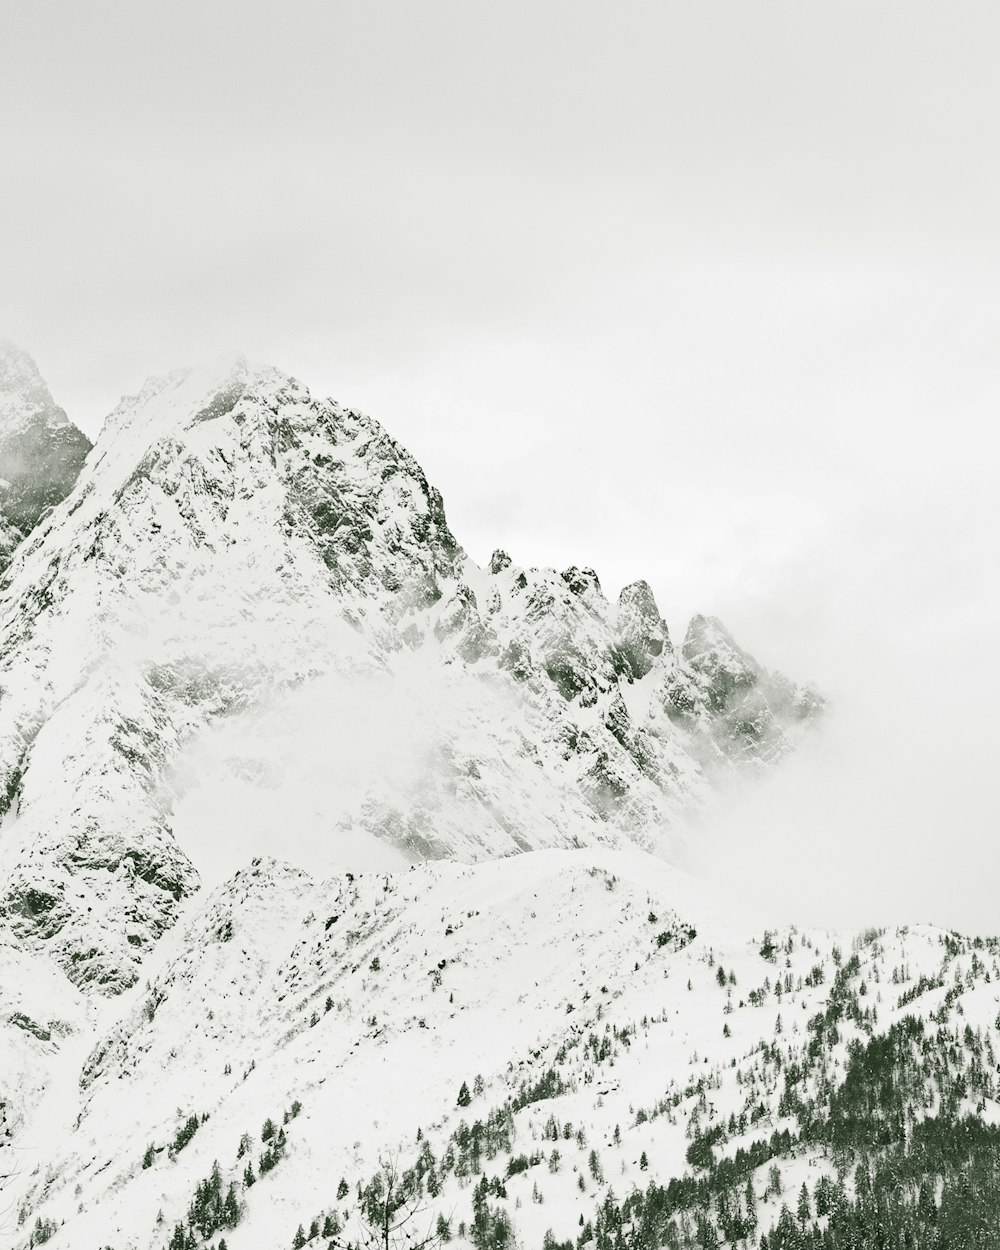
701, 294
804, 446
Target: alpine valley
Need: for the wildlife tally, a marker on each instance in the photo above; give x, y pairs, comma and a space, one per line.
336, 896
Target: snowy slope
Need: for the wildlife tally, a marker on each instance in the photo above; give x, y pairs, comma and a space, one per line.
591, 1001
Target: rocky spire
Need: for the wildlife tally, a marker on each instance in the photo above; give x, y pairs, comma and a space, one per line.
41, 451
642, 633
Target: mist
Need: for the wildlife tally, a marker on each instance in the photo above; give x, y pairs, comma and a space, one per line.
705, 296
889, 814
804, 445
328, 774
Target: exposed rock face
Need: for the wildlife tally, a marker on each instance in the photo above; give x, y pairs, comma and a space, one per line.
230, 535
41, 451
642, 634
736, 707
499, 561
249, 575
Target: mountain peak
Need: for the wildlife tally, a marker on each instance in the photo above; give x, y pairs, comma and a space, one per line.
642, 632
23, 393
41, 451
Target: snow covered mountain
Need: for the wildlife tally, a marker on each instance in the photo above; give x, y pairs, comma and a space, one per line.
41, 451
434, 801
249, 627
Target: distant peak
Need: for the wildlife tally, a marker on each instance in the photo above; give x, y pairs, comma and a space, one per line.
643, 634
639, 597
705, 632
9, 350
710, 647
19, 375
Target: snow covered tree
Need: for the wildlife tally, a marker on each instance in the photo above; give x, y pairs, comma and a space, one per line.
388, 1212
803, 1210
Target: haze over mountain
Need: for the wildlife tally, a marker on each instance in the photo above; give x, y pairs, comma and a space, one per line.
442, 945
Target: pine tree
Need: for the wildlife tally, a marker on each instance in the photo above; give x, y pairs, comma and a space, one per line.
464, 1097
804, 1210
750, 1200
231, 1208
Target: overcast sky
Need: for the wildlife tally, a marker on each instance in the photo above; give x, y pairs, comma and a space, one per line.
703, 293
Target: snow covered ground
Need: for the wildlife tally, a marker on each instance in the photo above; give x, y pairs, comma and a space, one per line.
608, 987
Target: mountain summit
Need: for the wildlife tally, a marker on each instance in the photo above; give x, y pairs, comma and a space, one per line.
41, 451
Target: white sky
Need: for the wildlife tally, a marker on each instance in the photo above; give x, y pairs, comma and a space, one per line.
704, 293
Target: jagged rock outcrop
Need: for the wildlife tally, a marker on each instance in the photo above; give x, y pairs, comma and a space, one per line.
735, 707
642, 633
41, 451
